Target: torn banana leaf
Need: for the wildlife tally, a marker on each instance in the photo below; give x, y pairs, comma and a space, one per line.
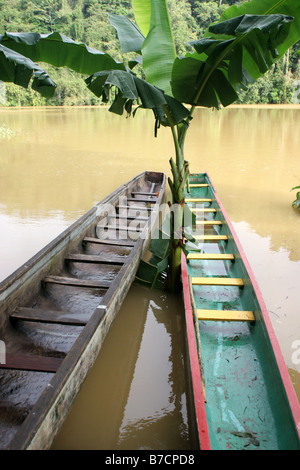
153, 273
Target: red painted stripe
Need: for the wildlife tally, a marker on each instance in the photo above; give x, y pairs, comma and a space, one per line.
202, 425
290, 391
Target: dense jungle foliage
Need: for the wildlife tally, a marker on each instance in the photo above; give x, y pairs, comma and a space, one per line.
86, 21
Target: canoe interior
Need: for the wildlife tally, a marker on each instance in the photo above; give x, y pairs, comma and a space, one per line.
250, 402
56, 310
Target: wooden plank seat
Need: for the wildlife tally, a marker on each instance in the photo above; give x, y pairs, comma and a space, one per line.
102, 259
217, 281
128, 243
70, 281
210, 256
152, 201
31, 362
211, 238
123, 227
143, 193
198, 199
209, 222
47, 316
202, 209
198, 185
225, 315
131, 217
138, 208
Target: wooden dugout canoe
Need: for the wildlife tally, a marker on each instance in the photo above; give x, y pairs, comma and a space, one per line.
56, 310
243, 395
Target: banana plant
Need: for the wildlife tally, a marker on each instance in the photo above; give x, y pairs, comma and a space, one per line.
296, 202
232, 54
20, 70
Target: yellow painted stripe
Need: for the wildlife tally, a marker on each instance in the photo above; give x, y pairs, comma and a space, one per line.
197, 199
209, 222
199, 185
217, 281
225, 315
210, 237
201, 209
210, 256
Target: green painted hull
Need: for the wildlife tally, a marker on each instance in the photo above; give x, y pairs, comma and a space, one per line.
250, 401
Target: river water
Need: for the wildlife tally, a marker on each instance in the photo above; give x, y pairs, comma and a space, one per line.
57, 162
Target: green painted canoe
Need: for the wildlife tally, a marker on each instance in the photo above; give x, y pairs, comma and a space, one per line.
243, 395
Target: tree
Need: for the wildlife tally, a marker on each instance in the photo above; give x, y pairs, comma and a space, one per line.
233, 53
207, 13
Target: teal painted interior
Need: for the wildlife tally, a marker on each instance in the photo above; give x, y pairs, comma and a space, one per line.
247, 406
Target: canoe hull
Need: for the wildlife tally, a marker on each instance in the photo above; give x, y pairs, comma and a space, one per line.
41, 416
248, 401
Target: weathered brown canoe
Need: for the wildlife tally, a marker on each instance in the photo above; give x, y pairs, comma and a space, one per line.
56, 310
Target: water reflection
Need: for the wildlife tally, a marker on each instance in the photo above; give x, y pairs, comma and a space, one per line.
135, 396
22, 237
274, 268
73, 157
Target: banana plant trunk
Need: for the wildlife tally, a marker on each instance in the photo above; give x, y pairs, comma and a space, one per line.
180, 174
175, 254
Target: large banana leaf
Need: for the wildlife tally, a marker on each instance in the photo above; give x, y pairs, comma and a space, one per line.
268, 7
133, 90
158, 49
191, 72
256, 46
153, 272
130, 36
240, 50
142, 14
61, 51
18, 69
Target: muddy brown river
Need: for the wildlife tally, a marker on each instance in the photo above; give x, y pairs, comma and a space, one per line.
57, 162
